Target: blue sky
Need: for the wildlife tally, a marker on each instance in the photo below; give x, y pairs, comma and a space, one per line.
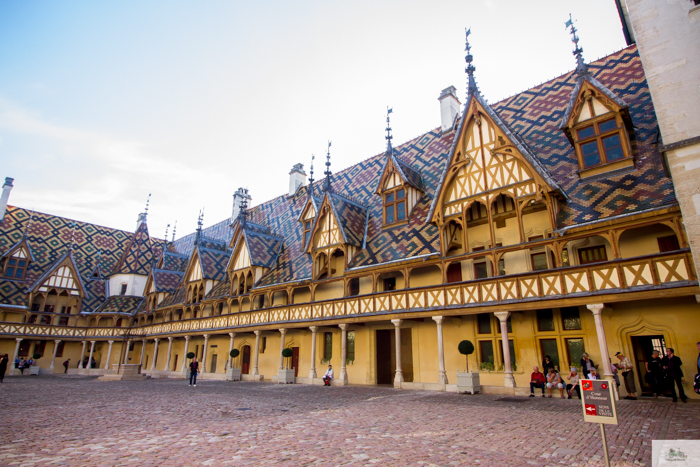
102, 103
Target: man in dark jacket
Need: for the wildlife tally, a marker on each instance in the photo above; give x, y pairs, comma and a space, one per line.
672, 366
3, 367
194, 369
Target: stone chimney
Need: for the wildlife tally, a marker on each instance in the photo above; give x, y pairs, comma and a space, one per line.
238, 196
297, 178
6, 188
449, 108
140, 220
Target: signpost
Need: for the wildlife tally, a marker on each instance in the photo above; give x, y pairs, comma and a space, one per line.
598, 402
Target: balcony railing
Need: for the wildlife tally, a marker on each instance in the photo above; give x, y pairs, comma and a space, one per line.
667, 270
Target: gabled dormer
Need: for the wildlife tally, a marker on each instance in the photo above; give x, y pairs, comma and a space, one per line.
308, 214
128, 277
160, 284
337, 234
255, 253
60, 288
16, 260
207, 267
598, 125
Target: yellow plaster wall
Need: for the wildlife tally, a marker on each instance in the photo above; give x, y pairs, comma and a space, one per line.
636, 242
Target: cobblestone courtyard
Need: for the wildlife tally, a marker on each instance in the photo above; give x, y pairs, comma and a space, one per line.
53, 421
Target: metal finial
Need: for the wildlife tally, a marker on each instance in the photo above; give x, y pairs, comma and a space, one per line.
29, 224
311, 177
388, 136
327, 181
174, 229
470, 69
243, 213
72, 236
148, 201
581, 68
167, 228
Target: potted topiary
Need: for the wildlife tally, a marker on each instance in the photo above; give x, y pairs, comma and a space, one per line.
34, 369
186, 370
286, 375
467, 381
233, 374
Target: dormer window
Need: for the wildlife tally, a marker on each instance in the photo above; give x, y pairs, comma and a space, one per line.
394, 206
16, 268
307, 232
600, 143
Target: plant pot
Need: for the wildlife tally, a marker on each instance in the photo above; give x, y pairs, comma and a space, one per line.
233, 374
34, 370
285, 376
186, 373
468, 382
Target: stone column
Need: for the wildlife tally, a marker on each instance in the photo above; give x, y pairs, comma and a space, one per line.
442, 375
255, 355
597, 310
343, 353
55, 350
170, 348
398, 377
187, 347
126, 352
282, 334
82, 354
230, 348
507, 365
19, 339
109, 354
204, 353
92, 350
312, 372
155, 353
143, 351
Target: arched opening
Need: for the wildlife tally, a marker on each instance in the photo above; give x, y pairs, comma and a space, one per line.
478, 233
390, 281
506, 226
453, 238
245, 360
249, 282
279, 298
424, 276
245, 304
455, 272
536, 223
301, 295
259, 301
329, 290
656, 238
337, 263
195, 312
321, 266
118, 324
220, 309
587, 250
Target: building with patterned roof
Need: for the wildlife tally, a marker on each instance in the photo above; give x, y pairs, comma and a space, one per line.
541, 225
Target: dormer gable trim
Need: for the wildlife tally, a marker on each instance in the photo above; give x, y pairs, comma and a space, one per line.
194, 271
408, 175
21, 245
75, 281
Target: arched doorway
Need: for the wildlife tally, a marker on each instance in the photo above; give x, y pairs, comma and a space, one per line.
245, 365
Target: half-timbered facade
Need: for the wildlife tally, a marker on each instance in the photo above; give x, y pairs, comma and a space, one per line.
543, 224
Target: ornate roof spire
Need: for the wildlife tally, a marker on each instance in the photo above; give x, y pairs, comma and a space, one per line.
581, 68
174, 230
311, 176
327, 173
388, 137
148, 201
29, 224
72, 236
243, 213
167, 228
470, 69
200, 218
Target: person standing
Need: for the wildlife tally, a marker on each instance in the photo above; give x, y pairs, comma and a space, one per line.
672, 365
654, 375
22, 364
547, 364
328, 377
628, 375
3, 367
194, 371
65, 365
586, 364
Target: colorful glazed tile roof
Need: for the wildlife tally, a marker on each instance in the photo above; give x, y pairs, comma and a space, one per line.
263, 249
213, 263
166, 281
65, 258
94, 295
177, 297
120, 304
22, 243
351, 218
12, 293
221, 289
139, 255
174, 262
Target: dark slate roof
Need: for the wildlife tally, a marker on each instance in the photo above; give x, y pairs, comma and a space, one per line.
166, 281
94, 295
177, 297
220, 232
536, 115
139, 255
174, 262
120, 304
213, 263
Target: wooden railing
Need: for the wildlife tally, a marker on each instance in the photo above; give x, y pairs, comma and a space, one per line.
673, 269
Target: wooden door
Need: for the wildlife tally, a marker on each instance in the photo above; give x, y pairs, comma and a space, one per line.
454, 273
295, 360
384, 360
175, 364
212, 368
245, 366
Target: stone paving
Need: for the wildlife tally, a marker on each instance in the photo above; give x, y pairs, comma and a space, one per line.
71, 420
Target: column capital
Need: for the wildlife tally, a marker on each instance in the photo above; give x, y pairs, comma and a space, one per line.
257, 333
109, 342
19, 339
438, 319
143, 341
283, 331
187, 338
502, 315
93, 342
396, 322
156, 339
596, 308
314, 329
343, 327
58, 341
232, 334
206, 336
170, 339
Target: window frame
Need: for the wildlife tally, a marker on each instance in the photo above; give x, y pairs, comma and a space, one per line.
327, 347
306, 230
395, 203
590, 248
598, 137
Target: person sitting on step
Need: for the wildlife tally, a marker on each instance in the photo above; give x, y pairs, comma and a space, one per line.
328, 377
537, 380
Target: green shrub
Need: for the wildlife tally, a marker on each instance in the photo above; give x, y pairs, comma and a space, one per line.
234, 353
487, 366
466, 348
286, 353
36, 356
190, 354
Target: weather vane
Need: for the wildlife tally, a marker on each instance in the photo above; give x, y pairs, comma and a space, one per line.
470, 69
388, 136
581, 67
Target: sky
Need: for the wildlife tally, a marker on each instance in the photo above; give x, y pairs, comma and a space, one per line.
102, 103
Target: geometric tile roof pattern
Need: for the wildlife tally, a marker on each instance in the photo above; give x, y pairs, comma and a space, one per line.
174, 262
166, 281
213, 263
178, 296
221, 289
120, 304
351, 218
263, 249
139, 255
12, 293
94, 295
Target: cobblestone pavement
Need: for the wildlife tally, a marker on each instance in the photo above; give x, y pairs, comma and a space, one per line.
70, 420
